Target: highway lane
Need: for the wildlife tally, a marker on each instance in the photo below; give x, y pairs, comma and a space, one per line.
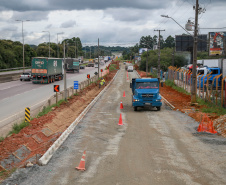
16, 95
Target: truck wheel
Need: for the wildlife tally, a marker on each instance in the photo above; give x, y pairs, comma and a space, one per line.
135, 108
158, 108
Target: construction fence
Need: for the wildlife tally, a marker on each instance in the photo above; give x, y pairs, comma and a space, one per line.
211, 91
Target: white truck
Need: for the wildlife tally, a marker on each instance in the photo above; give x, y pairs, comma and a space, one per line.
130, 69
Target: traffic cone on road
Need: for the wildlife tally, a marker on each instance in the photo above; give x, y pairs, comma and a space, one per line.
206, 125
81, 166
120, 120
124, 94
121, 105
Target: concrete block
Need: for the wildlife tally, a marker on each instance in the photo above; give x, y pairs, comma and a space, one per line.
22, 152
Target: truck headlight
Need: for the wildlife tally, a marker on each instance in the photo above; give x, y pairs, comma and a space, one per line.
135, 99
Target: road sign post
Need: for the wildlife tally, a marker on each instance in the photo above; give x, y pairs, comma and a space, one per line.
76, 85
56, 88
27, 115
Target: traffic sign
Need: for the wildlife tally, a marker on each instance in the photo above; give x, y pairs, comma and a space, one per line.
75, 84
101, 70
56, 88
88, 75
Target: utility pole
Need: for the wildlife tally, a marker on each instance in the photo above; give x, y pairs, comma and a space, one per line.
194, 77
147, 64
90, 51
173, 56
98, 60
159, 53
65, 81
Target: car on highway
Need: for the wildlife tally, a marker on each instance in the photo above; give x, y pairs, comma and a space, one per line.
25, 76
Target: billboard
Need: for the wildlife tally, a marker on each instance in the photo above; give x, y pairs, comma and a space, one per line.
185, 43
141, 50
217, 42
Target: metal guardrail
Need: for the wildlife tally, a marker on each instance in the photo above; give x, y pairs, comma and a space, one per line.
17, 68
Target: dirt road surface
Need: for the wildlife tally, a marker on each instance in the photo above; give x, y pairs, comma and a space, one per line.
150, 148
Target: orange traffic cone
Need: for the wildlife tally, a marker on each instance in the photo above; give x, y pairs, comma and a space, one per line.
124, 94
206, 125
81, 166
120, 120
121, 105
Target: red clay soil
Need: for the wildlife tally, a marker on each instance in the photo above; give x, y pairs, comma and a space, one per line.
32, 136
182, 102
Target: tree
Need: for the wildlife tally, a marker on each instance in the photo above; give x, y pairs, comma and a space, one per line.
169, 42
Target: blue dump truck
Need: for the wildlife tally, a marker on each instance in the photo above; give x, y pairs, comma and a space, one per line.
215, 71
145, 93
46, 70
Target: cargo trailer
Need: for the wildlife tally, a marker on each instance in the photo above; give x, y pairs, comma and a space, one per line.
46, 70
72, 65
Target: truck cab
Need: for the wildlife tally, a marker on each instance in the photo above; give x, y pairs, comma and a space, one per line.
145, 93
215, 71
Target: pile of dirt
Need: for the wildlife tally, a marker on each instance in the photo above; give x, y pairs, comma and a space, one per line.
220, 125
33, 141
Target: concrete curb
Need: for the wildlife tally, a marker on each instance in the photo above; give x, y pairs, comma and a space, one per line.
49, 153
168, 103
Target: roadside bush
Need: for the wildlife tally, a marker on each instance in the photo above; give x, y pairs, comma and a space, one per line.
112, 67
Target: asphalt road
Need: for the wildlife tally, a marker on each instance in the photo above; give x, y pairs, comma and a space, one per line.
16, 95
151, 148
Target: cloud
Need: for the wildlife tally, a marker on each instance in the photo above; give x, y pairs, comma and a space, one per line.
68, 24
30, 15
46, 5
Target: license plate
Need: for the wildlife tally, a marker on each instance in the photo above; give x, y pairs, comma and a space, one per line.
147, 103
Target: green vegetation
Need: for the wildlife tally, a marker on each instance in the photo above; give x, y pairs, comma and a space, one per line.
211, 108
1, 139
5, 174
112, 67
49, 108
179, 89
18, 127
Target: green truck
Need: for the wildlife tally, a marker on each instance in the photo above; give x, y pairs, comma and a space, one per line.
46, 70
72, 65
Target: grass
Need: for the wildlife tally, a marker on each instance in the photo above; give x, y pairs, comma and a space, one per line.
179, 89
5, 174
211, 108
1, 139
112, 67
18, 127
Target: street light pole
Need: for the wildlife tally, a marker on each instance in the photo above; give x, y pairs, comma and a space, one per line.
23, 40
65, 81
57, 44
49, 41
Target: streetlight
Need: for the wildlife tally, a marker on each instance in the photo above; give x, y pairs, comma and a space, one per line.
23, 38
166, 16
49, 41
57, 43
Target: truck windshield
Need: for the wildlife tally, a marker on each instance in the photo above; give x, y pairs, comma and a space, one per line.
147, 85
201, 72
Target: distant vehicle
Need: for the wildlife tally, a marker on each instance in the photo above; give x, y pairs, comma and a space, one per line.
72, 65
80, 58
96, 65
90, 64
130, 69
145, 93
25, 76
106, 59
82, 67
46, 70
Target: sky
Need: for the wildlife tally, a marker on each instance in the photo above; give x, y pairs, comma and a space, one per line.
114, 22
